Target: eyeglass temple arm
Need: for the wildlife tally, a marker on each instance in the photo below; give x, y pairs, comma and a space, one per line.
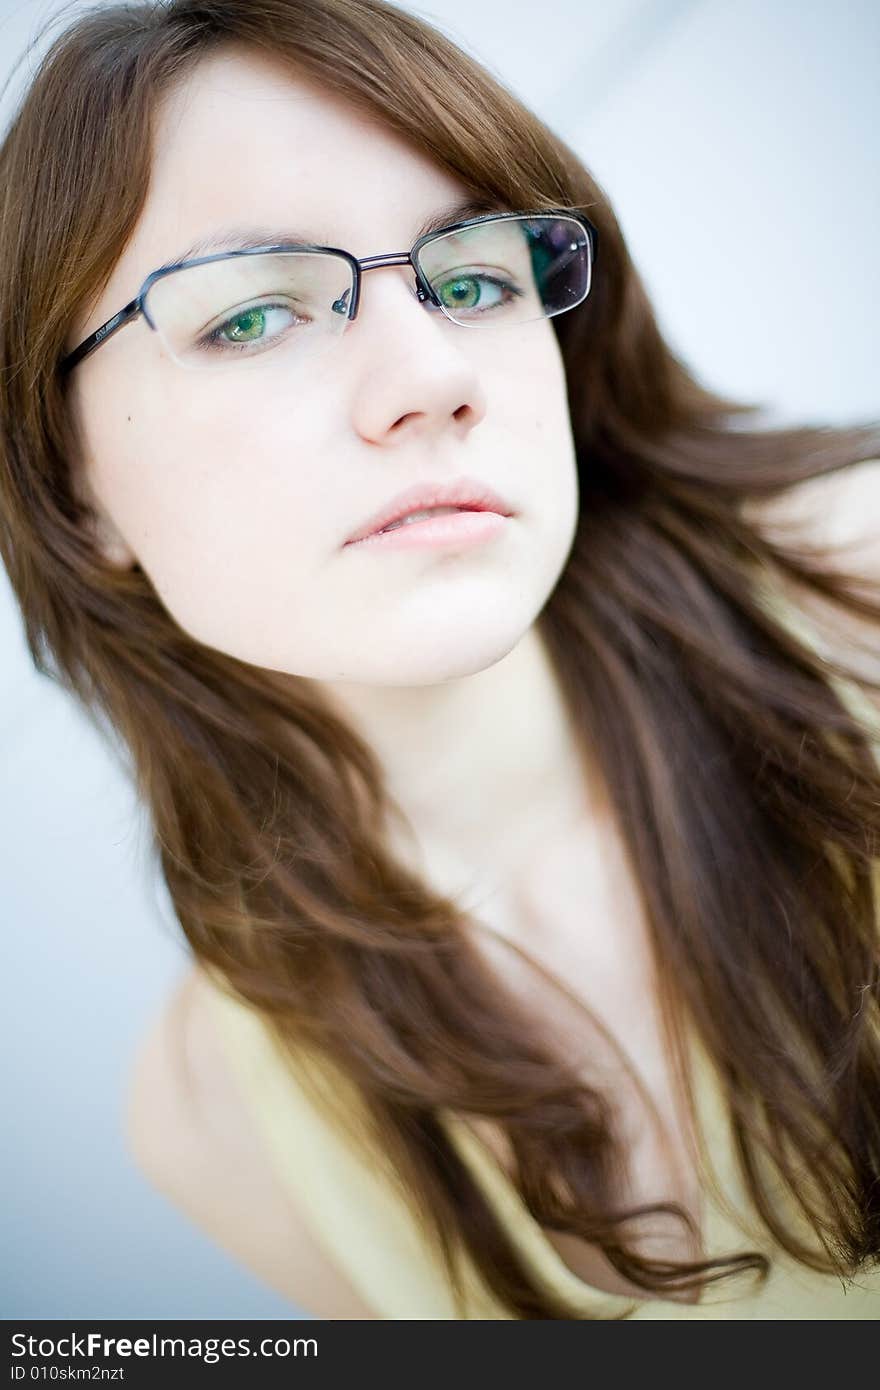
94, 340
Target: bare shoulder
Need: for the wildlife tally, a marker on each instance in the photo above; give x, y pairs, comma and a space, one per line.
837, 509
190, 1133
837, 513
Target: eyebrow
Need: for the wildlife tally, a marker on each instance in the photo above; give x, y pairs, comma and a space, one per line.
248, 238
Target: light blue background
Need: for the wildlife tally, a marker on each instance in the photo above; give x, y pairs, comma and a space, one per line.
738, 144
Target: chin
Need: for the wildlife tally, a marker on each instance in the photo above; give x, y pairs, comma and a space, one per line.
434, 663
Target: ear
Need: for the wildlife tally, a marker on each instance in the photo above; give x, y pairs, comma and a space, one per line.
105, 535
112, 544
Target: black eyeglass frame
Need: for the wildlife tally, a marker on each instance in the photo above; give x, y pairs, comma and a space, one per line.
137, 306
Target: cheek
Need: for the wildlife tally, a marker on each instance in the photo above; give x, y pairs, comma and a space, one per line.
530, 382
222, 508
532, 403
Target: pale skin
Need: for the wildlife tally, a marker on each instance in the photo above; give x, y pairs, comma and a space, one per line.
237, 503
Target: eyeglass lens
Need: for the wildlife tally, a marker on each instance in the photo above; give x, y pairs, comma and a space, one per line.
292, 304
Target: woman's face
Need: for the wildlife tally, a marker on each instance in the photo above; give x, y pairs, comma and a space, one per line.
237, 494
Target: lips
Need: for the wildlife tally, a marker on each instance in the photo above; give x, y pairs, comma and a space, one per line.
464, 494
423, 515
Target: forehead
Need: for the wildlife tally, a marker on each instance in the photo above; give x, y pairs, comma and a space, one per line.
243, 142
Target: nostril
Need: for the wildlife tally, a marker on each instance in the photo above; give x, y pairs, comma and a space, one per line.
410, 415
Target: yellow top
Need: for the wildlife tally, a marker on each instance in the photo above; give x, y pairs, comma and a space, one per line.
356, 1209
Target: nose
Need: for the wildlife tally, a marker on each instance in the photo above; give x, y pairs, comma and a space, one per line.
413, 372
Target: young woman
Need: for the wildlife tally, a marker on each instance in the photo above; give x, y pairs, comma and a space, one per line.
527, 852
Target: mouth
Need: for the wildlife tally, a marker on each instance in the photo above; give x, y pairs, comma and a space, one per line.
450, 527
412, 518
428, 503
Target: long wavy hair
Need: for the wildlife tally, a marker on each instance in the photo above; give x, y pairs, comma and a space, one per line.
744, 786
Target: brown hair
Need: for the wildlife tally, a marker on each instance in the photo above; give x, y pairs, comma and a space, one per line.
744, 787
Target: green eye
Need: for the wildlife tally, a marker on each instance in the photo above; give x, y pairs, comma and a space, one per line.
253, 321
463, 293
255, 325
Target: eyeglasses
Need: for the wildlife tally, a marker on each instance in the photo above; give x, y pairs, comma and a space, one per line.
282, 303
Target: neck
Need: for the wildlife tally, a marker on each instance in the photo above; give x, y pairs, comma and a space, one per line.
486, 768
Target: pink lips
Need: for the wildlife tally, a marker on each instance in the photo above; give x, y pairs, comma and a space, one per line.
451, 529
466, 493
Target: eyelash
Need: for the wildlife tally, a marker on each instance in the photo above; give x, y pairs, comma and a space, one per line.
212, 342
